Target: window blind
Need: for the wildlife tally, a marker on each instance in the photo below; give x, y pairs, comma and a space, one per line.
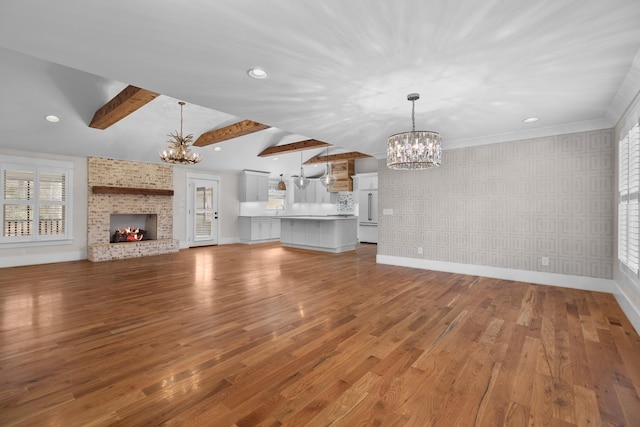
629, 200
34, 203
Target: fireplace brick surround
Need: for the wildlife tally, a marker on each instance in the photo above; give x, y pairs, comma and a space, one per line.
128, 174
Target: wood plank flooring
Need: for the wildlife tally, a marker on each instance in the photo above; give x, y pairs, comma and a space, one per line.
262, 335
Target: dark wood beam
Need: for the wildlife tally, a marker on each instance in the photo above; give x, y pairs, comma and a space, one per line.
290, 148
335, 157
126, 102
235, 130
99, 189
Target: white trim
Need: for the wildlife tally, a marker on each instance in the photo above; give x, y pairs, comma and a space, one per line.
632, 312
538, 277
48, 258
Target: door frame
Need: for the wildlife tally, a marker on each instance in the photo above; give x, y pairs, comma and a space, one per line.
189, 212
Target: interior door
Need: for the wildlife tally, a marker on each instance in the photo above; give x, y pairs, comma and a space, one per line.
203, 226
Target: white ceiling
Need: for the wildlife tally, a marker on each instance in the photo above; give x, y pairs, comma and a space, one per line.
339, 71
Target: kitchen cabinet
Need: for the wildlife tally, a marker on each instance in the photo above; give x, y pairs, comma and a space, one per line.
258, 229
367, 181
314, 193
308, 195
254, 186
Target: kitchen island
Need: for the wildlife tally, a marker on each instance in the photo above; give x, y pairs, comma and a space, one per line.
319, 233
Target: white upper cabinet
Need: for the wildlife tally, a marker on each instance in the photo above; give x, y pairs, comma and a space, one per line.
314, 193
254, 186
367, 181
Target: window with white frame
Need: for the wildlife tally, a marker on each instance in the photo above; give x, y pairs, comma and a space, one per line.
36, 203
628, 201
277, 197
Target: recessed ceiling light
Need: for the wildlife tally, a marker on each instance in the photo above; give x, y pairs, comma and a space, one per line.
257, 73
217, 149
51, 118
530, 120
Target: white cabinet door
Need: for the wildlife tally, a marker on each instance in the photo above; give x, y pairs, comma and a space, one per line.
275, 228
299, 236
322, 195
254, 187
367, 182
308, 195
286, 230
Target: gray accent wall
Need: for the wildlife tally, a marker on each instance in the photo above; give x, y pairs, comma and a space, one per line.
508, 205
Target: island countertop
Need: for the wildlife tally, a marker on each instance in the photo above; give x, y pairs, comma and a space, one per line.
302, 216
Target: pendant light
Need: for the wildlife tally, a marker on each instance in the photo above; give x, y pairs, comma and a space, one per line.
281, 185
415, 149
179, 151
328, 179
301, 181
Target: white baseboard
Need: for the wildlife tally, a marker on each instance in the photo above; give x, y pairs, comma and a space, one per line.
538, 277
21, 260
632, 312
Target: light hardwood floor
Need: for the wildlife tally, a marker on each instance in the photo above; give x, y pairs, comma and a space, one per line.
263, 335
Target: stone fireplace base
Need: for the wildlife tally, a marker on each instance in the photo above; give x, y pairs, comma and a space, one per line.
109, 251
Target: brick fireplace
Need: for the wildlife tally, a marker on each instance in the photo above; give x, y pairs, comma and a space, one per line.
128, 188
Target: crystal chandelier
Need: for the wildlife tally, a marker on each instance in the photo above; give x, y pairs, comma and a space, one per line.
301, 181
328, 179
415, 149
179, 151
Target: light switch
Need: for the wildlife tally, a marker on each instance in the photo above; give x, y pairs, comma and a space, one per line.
387, 211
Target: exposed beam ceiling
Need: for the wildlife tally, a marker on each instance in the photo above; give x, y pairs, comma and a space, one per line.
126, 102
336, 157
235, 130
290, 148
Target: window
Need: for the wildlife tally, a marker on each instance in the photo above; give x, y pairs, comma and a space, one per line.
628, 202
276, 197
35, 200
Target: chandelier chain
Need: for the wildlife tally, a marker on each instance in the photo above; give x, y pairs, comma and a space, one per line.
413, 115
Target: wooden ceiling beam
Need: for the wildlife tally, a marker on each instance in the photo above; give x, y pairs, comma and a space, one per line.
293, 147
335, 157
126, 102
235, 130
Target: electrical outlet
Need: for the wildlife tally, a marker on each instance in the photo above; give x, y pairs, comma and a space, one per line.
545, 261
419, 251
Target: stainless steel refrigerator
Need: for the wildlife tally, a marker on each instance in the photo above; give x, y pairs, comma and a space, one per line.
368, 216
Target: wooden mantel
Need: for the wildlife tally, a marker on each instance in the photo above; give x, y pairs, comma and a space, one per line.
99, 189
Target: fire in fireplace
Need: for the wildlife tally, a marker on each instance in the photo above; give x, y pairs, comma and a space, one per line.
133, 227
128, 234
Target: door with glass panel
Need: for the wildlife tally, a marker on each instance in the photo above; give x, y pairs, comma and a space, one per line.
204, 212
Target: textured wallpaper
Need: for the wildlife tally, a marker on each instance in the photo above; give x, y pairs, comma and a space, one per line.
508, 205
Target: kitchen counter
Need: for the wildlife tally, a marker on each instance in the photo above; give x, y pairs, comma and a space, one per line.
332, 233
